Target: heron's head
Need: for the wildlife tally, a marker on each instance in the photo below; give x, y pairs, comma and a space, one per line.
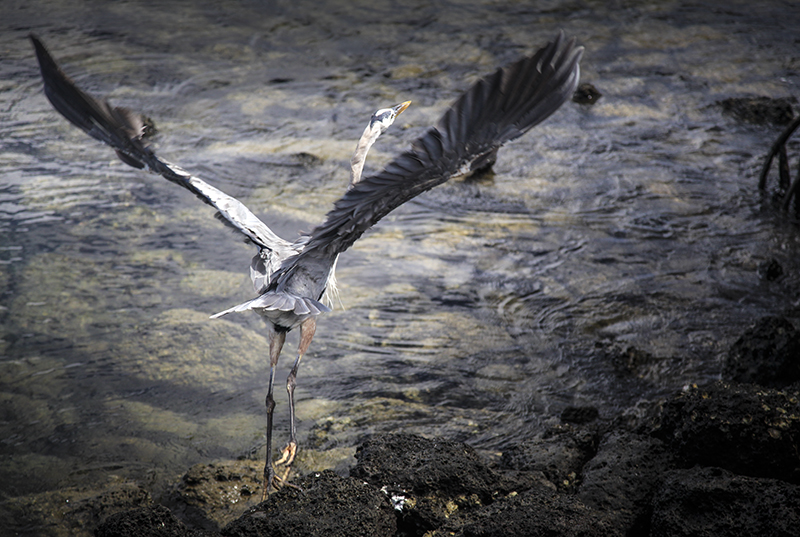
383, 118
378, 123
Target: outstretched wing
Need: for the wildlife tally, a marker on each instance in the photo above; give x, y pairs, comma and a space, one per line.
123, 129
496, 109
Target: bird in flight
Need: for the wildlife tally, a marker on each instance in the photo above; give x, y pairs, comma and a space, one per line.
290, 277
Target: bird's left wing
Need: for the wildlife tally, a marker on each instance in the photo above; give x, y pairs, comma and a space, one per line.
123, 130
496, 109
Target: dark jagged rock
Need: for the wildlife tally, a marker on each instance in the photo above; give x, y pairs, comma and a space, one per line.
767, 354
72, 510
621, 479
536, 512
156, 521
210, 495
626, 484
428, 480
586, 94
559, 457
423, 466
321, 504
743, 428
712, 502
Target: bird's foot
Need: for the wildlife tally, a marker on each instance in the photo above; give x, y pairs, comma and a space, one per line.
275, 482
284, 481
275, 477
287, 455
271, 481
286, 459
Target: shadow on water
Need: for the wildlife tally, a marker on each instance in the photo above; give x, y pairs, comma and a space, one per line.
611, 259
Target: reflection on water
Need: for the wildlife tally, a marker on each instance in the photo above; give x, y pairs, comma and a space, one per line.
478, 311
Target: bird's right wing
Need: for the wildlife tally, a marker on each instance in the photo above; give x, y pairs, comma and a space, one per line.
496, 109
123, 129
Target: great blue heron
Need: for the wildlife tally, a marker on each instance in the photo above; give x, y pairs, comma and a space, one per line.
291, 277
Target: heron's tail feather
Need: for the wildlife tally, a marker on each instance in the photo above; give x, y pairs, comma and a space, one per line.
279, 302
123, 130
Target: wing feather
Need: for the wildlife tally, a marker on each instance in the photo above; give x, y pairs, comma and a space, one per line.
495, 110
123, 130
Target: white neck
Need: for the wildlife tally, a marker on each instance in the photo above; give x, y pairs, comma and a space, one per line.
369, 137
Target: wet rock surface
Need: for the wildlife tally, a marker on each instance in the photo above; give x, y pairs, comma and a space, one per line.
70, 511
717, 460
210, 495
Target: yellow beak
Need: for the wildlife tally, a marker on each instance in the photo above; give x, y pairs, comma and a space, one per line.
398, 108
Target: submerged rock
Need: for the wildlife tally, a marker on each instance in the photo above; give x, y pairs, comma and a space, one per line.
586, 94
760, 110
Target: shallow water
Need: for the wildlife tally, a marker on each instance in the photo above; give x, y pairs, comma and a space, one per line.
477, 312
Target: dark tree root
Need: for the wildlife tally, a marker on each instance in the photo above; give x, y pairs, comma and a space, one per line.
785, 183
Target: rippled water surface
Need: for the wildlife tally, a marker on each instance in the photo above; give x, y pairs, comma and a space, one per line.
477, 312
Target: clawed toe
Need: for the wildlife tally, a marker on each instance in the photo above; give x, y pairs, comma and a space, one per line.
287, 455
272, 479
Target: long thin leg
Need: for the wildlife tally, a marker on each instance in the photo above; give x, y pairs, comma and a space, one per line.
307, 329
276, 340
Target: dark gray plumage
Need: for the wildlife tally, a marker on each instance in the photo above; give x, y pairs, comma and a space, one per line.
291, 277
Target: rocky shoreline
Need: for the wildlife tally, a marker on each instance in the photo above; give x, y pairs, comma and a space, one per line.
719, 460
